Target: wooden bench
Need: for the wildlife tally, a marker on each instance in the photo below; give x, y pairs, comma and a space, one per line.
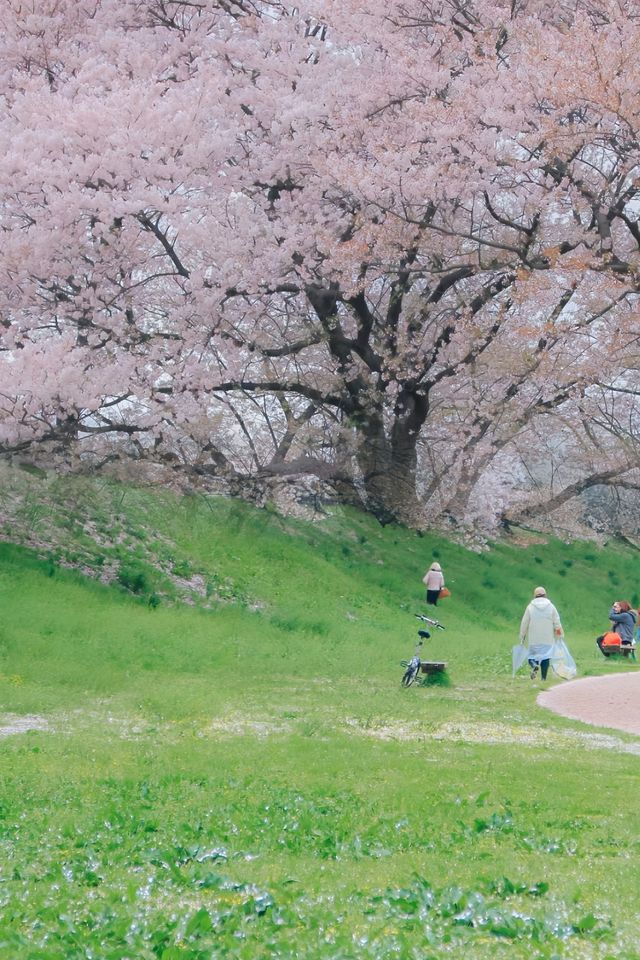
432, 666
619, 650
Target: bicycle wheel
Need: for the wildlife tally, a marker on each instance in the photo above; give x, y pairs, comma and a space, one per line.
410, 675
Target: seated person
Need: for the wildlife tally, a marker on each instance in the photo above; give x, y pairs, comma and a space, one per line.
623, 619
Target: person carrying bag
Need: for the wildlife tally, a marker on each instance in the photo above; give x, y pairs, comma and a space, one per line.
434, 582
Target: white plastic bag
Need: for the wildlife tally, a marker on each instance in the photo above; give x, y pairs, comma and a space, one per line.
519, 655
562, 663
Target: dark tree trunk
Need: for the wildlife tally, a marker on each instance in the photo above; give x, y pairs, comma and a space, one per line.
388, 463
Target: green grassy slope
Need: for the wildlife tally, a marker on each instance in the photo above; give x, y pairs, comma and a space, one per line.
245, 776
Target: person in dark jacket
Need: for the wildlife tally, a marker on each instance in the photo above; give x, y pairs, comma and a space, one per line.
623, 619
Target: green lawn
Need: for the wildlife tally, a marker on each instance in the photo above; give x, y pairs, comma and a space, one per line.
245, 777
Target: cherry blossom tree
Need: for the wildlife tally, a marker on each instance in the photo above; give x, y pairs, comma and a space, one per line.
379, 243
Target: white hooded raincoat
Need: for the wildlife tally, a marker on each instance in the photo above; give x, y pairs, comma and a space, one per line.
541, 638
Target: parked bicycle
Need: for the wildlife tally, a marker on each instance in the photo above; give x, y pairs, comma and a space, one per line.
413, 666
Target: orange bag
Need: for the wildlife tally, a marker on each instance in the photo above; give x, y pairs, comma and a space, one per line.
444, 593
610, 639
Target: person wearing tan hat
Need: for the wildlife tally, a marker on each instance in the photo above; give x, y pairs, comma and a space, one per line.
539, 629
434, 582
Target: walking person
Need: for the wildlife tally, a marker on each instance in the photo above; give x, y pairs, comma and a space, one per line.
539, 629
434, 582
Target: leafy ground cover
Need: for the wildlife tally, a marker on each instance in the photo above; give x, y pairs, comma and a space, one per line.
244, 776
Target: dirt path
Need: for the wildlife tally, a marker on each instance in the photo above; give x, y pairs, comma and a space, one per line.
612, 701
14, 723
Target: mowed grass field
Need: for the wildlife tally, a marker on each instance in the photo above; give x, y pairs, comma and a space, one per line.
245, 777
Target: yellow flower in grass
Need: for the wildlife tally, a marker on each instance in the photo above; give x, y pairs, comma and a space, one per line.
15, 679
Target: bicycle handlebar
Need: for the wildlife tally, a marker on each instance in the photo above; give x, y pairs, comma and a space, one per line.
434, 623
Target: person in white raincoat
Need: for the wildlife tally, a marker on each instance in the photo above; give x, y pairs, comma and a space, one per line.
542, 639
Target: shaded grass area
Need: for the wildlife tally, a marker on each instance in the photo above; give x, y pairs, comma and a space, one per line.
250, 779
